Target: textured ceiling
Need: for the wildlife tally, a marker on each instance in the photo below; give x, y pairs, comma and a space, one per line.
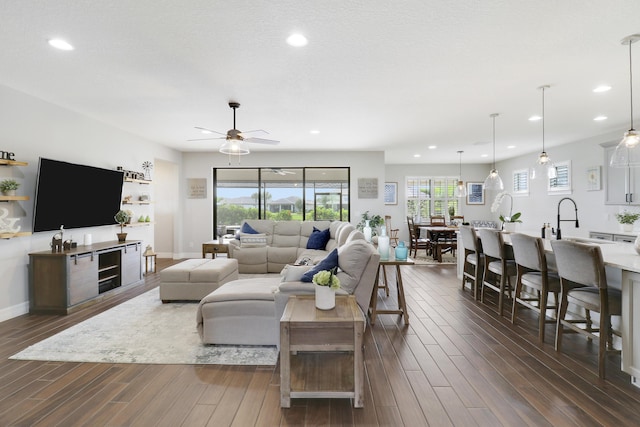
376, 75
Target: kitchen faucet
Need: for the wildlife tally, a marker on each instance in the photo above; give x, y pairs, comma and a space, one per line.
558, 234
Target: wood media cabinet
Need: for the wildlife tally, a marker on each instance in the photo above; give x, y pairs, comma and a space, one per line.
60, 282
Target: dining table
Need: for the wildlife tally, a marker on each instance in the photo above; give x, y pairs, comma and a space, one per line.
443, 239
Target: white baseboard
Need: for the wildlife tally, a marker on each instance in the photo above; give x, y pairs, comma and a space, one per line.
14, 311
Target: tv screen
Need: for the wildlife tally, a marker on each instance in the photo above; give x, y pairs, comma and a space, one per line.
75, 196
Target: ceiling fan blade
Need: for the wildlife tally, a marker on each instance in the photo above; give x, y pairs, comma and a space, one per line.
208, 139
210, 130
262, 141
255, 130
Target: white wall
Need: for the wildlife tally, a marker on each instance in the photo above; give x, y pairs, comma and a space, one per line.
197, 214
32, 128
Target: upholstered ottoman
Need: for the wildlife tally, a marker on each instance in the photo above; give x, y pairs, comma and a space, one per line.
193, 279
240, 312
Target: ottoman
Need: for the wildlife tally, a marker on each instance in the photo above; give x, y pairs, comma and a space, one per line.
240, 312
193, 279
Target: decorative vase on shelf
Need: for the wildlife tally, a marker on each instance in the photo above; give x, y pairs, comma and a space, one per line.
383, 244
401, 251
325, 297
367, 231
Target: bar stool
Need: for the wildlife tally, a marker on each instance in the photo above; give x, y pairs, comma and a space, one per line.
532, 270
580, 263
499, 265
473, 267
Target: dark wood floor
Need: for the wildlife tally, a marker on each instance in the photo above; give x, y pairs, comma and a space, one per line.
457, 363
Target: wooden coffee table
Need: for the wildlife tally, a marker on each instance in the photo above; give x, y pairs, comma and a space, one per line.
321, 351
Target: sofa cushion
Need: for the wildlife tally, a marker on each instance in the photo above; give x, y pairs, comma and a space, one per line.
293, 273
286, 234
331, 261
253, 240
318, 239
352, 260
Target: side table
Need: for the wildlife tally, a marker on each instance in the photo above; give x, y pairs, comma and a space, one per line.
321, 351
214, 247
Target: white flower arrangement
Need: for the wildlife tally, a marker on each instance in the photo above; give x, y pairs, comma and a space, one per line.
327, 278
513, 217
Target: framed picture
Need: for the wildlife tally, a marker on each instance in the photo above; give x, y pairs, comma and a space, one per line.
593, 178
390, 193
475, 193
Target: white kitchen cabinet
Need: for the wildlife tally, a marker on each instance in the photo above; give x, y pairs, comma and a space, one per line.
621, 185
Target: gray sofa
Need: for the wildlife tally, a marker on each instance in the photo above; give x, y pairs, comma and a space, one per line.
283, 242
248, 311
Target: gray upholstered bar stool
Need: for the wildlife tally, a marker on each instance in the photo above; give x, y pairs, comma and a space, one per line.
580, 263
473, 266
531, 266
499, 265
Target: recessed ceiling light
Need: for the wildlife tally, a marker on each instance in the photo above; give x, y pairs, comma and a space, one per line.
484, 155
297, 40
600, 118
602, 88
535, 118
314, 132
416, 155
60, 44
511, 146
432, 147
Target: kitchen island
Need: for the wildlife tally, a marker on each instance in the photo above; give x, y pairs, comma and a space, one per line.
623, 265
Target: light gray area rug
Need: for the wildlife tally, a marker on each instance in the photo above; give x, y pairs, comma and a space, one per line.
143, 330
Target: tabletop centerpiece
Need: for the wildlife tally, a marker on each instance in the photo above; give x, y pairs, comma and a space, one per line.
508, 222
626, 220
326, 283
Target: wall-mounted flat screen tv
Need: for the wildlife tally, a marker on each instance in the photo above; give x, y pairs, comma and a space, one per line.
75, 196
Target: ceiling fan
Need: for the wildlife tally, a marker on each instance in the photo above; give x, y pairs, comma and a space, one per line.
280, 171
235, 139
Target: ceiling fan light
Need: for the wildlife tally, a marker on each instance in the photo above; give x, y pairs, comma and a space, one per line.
234, 146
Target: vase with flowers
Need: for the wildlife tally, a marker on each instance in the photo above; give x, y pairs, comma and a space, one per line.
326, 283
508, 221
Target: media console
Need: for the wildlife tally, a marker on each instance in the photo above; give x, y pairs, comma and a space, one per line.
60, 282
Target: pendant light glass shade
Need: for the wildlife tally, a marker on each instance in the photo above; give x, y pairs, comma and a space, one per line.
461, 189
627, 153
493, 182
544, 165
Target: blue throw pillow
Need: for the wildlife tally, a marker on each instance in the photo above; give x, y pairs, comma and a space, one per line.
318, 239
246, 228
331, 261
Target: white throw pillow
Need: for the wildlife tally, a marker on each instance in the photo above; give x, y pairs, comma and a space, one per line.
293, 273
248, 240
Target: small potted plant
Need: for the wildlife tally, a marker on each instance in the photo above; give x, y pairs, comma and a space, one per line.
369, 225
326, 283
9, 187
626, 220
122, 218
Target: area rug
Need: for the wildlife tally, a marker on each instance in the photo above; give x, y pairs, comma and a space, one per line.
421, 259
143, 330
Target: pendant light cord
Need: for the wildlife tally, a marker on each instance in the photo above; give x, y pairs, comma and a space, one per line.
631, 82
542, 118
494, 141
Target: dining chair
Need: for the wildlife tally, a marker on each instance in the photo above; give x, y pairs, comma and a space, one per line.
435, 220
391, 232
499, 265
416, 242
473, 266
533, 273
580, 263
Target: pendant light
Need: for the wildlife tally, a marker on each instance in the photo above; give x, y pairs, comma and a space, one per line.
493, 181
544, 161
627, 153
461, 190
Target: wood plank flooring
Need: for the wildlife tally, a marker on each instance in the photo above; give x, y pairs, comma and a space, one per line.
456, 364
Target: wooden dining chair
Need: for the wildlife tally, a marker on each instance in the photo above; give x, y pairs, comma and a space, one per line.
580, 263
499, 266
416, 242
436, 220
534, 275
391, 232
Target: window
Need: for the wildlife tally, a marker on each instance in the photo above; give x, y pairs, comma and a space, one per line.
561, 184
278, 194
521, 182
428, 196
